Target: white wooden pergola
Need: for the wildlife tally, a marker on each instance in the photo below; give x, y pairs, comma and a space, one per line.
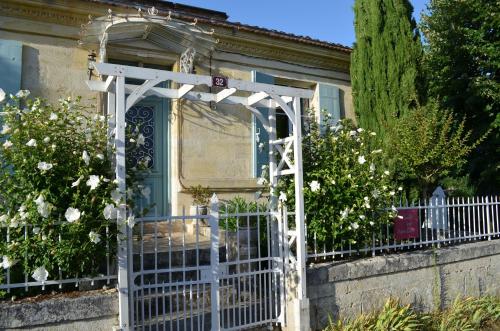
121, 97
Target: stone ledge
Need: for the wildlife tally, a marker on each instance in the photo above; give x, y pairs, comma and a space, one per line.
92, 305
380, 265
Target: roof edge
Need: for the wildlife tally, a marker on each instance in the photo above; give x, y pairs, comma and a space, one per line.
217, 18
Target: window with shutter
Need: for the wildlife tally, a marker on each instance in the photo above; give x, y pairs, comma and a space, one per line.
260, 136
10, 65
329, 103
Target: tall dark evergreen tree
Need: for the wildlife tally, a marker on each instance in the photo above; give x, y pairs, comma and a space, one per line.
463, 62
385, 63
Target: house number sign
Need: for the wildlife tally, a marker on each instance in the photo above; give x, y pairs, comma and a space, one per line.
219, 81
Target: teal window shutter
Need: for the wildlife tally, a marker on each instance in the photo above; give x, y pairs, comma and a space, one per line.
260, 137
329, 101
10, 65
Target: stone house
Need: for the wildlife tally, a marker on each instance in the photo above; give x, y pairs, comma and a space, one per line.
45, 47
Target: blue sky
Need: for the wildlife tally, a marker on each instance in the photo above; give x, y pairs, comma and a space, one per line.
329, 20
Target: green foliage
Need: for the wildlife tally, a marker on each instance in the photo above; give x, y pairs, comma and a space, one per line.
346, 191
468, 314
385, 63
200, 194
241, 205
463, 65
58, 200
460, 186
465, 314
393, 317
427, 145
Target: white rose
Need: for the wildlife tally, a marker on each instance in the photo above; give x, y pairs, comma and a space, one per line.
77, 182
86, 157
31, 143
72, 214
344, 213
282, 196
7, 262
3, 219
5, 129
94, 237
7, 144
44, 166
315, 185
93, 182
40, 274
110, 212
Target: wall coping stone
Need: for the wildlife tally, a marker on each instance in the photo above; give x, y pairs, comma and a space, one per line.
379, 265
61, 309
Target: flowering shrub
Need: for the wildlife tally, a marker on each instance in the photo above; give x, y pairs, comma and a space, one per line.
58, 202
347, 195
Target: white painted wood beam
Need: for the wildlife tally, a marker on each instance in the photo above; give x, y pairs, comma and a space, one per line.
224, 94
139, 91
260, 117
183, 78
96, 85
289, 111
184, 89
108, 82
256, 97
200, 96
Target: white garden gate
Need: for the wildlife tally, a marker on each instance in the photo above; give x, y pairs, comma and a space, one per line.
149, 291
216, 271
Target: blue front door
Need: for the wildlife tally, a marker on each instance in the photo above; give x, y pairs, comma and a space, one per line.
151, 117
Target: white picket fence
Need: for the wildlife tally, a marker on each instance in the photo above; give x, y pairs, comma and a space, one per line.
437, 222
16, 277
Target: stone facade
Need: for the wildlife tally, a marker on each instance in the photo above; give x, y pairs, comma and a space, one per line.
427, 280
207, 146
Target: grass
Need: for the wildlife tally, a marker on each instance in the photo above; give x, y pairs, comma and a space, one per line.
465, 314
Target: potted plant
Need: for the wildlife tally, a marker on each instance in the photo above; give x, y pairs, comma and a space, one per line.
201, 199
243, 230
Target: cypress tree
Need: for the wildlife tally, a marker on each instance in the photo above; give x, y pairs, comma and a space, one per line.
385, 63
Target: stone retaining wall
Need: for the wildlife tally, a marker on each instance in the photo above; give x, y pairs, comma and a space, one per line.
426, 279
93, 310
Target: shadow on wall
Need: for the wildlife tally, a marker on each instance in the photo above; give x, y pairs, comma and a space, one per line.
224, 116
30, 74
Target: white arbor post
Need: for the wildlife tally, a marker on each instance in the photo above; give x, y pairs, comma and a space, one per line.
214, 262
298, 305
123, 230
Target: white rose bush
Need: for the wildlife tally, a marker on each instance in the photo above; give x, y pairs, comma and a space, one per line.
58, 200
347, 192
